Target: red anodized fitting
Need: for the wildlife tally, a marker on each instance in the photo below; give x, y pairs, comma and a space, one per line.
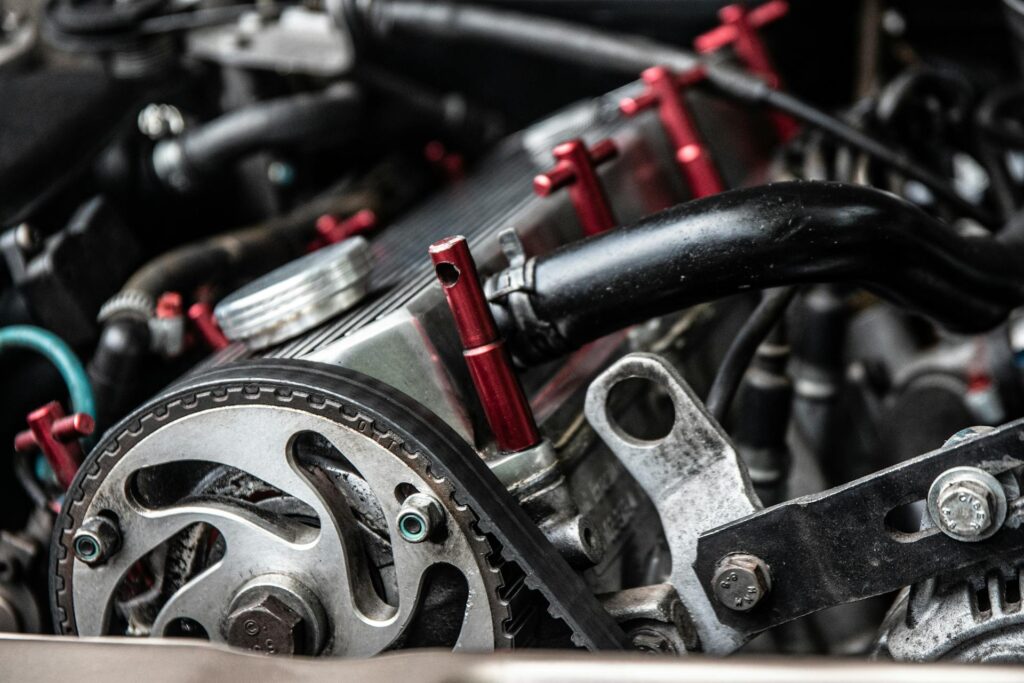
201, 315
169, 305
56, 435
331, 229
505, 406
663, 91
739, 28
576, 168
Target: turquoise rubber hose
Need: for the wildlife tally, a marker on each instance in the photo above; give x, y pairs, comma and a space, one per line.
54, 349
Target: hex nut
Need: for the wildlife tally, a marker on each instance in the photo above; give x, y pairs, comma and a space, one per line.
420, 518
741, 581
96, 540
266, 625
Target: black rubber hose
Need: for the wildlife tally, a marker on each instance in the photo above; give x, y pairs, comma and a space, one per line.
623, 53
386, 190
742, 349
321, 118
756, 238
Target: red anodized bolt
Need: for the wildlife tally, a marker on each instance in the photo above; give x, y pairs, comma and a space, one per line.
663, 91
201, 315
739, 29
56, 435
576, 168
501, 395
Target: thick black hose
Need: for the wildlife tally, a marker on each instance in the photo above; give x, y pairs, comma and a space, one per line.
756, 238
623, 53
309, 118
742, 349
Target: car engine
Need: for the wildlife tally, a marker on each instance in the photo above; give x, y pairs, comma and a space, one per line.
331, 329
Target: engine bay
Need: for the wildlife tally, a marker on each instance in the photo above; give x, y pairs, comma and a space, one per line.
347, 328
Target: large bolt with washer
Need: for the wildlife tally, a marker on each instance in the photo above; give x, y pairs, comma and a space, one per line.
421, 517
265, 624
741, 581
967, 504
96, 540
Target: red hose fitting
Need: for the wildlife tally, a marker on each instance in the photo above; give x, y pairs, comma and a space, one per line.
576, 168
505, 406
331, 229
56, 435
201, 315
663, 91
739, 28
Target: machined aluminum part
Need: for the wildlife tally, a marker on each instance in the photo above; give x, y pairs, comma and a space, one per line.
253, 426
298, 296
693, 476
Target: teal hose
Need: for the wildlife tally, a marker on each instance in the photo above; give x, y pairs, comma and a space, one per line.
60, 354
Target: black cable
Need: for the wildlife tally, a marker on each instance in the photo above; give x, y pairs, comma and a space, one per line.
740, 353
622, 53
757, 238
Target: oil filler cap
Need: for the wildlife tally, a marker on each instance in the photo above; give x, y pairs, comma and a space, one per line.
298, 296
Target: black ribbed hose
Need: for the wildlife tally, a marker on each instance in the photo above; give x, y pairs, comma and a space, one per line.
756, 238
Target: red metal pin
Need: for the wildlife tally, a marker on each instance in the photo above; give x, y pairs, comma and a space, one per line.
505, 406
576, 168
56, 435
663, 91
201, 315
169, 305
739, 28
331, 229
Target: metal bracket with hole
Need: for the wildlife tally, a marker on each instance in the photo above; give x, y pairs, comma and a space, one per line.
836, 546
693, 476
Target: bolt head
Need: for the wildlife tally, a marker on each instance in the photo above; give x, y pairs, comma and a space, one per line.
967, 503
266, 625
966, 508
741, 581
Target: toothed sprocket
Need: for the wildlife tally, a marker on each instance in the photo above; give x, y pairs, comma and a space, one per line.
290, 474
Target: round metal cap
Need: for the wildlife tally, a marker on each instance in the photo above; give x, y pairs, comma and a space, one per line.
298, 296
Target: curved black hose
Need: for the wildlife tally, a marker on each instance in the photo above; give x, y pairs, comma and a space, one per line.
737, 358
755, 238
1000, 115
309, 118
622, 53
77, 18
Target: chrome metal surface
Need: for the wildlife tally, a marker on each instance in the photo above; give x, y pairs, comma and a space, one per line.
297, 296
693, 476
